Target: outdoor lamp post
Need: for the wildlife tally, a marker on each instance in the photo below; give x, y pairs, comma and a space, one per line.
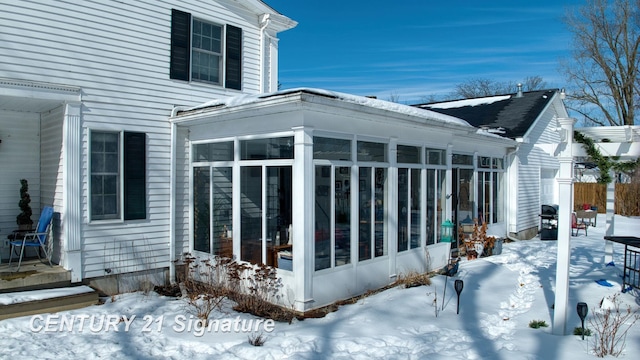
446, 231
458, 284
583, 309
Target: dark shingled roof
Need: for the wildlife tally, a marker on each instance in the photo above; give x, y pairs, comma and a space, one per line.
515, 114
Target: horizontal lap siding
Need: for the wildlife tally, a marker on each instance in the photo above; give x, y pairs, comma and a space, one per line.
118, 54
544, 131
528, 196
182, 192
51, 171
19, 159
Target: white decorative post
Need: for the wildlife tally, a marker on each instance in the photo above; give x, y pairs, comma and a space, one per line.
611, 197
565, 185
72, 179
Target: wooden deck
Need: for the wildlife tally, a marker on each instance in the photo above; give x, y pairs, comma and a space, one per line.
35, 277
33, 274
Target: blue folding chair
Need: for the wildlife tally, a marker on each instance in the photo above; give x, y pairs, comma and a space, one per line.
37, 238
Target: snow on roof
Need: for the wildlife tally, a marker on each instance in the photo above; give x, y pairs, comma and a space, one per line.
355, 99
468, 102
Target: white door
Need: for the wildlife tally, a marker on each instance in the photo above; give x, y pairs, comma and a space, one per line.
548, 186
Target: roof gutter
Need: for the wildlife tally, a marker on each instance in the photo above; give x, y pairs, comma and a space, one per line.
265, 20
172, 195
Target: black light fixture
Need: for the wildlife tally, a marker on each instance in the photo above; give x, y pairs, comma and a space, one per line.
458, 284
583, 310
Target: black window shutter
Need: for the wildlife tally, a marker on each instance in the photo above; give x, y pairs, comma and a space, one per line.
135, 202
233, 53
180, 45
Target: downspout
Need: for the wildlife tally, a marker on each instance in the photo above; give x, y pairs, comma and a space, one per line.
265, 23
172, 196
508, 217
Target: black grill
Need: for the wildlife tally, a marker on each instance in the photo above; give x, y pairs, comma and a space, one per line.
549, 222
549, 212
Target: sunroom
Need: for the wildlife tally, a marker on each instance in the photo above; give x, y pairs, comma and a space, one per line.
341, 193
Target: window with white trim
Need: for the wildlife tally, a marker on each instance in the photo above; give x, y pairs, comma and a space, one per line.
117, 179
205, 51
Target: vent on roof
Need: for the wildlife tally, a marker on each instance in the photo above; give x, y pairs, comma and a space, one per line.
498, 130
519, 94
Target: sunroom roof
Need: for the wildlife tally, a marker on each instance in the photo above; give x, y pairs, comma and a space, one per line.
349, 98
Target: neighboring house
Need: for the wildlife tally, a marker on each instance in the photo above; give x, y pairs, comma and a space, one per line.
585, 171
530, 118
86, 91
153, 129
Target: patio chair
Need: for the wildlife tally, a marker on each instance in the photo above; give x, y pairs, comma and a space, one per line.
577, 226
37, 238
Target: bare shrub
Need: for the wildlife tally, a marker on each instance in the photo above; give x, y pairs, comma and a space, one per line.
204, 286
257, 339
260, 293
611, 327
255, 289
413, 279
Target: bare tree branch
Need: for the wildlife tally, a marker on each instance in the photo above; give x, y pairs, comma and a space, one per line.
480, 87
604, 69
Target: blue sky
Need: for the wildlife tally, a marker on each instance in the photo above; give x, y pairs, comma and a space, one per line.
415, 48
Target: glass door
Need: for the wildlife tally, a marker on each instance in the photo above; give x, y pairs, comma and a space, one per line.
251, 214
265, 207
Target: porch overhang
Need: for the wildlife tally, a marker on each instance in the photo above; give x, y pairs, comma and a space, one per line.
30, 96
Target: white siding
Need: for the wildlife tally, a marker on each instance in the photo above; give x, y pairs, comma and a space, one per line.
548, 186
528, 196
544, 130
535, 184
20, 147
182, 192
51, 172
118, 54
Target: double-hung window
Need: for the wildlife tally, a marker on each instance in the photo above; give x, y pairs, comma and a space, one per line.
117, 175
205, 51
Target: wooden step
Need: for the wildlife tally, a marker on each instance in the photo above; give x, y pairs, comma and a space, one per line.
33, 302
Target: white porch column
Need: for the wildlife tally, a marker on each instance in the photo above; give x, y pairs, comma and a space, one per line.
72, 190
303, 224
565, 185
448, 213
392, 200
611, 211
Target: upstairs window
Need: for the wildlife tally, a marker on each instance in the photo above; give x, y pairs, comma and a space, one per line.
204, 51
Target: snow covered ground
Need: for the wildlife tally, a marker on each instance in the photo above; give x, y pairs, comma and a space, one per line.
501, 295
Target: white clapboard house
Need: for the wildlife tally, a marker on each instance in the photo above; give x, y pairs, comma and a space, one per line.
155, 129
86, 92
531, 119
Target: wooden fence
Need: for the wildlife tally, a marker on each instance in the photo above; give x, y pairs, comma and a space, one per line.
627, 197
